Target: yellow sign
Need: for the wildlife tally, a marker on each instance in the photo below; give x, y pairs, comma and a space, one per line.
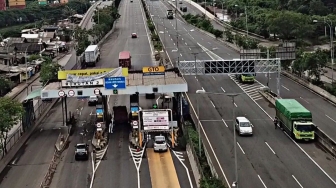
87, 72
153, 70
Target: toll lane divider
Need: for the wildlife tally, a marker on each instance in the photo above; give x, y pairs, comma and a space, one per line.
321, 137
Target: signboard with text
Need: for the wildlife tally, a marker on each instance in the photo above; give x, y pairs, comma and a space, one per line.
62, 75
99, 82
147, 71
155, 120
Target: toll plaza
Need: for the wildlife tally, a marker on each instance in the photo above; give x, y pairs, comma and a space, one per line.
156, 83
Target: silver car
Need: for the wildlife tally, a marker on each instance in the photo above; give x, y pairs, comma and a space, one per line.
160, 144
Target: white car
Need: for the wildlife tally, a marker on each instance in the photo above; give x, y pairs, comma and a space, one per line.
243, 126
173, 0
160, 144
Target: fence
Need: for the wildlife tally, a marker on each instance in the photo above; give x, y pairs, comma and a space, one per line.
39, 109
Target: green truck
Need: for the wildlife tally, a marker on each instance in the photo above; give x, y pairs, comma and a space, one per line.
245, 78
295, 119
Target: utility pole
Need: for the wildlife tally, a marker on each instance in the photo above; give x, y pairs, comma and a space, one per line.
246, 22
177, 35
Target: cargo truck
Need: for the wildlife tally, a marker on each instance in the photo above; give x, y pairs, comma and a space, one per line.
170, 14
125, 59
120, 115
295, 119
92, 55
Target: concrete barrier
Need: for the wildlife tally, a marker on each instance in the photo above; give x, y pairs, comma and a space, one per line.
321, 137
51, 170
62, 139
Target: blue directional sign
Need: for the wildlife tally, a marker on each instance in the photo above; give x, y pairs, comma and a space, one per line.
115, 83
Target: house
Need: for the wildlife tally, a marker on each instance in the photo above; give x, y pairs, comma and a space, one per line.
47, 36
49, 28
28, 36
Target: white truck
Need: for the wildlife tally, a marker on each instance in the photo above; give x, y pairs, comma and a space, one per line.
92, 55
170, 14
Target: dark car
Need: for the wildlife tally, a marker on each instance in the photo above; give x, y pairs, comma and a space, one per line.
81, 152
183, 8
93, 100
134, 35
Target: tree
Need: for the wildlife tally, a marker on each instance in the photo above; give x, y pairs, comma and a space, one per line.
49, 70
82, 36
5, 86
228, 35
289, 25
11, 112
218, 33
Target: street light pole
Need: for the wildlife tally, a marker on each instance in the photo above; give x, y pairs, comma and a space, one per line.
235, 183
199, 129
177, 34
246, 22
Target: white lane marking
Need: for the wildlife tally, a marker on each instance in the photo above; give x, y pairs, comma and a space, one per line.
270, 148
185, 167
168, 34
174, 43
185, 43
262, 181
331, 118
240, 148
189, 48
213, 104
235, 105
297, 181
203, 89
171, 38
213, 78
325, 173
202, 38
223, 90
209, 42
181, 55
285, 87
304, 100
182, 39
225, 123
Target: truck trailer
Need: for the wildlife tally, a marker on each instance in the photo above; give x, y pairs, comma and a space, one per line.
120, 115
92, 55
125, 59
295, 119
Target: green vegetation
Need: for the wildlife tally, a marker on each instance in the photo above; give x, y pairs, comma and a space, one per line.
49, 70
37, 15
155, 37
288, 20
207, 180
11, 112
82, 37
5, 86
203, 23
107, 17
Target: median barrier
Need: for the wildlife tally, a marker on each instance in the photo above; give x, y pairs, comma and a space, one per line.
51, 170
321, 137
62, 139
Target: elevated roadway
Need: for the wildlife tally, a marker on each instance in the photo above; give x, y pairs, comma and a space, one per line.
269, 158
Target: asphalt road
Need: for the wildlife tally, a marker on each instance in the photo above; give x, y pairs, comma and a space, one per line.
118, 167
33, 159
286, 168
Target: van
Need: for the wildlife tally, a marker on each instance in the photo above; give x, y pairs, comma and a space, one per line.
160, 144
243, 126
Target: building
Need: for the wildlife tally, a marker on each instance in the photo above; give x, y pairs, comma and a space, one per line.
64, 1
17, 4
2, 5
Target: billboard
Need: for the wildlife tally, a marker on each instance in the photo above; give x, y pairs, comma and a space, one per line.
155, 120
62, 75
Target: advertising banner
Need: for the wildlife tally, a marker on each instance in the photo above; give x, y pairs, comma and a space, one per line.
157, 120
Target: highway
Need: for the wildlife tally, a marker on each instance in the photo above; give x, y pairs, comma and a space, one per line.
118, 162
269, 158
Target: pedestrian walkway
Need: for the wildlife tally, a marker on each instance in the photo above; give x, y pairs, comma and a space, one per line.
252, 90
